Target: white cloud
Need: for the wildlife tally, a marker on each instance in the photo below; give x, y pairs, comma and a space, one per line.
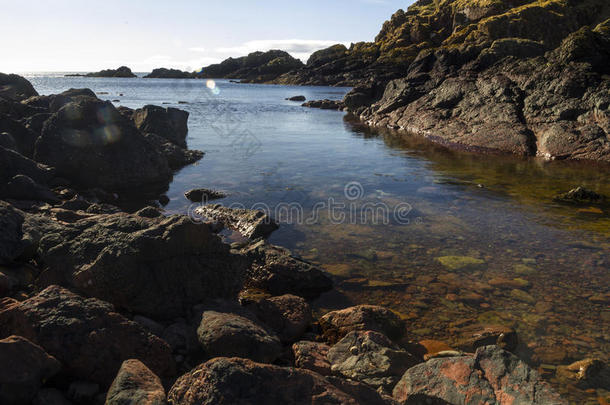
198, 49
299, 48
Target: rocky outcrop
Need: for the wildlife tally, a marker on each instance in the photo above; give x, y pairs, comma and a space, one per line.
202, 195
490, 376
122, 71
163, 73
86, 335
27, 367
493, 80
92, 144
325, 104
224, 381
257, 67
176, 156
135, 384
15, 87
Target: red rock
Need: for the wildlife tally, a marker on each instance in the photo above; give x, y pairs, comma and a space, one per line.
336, 324
288, 315
312, 356
475, 336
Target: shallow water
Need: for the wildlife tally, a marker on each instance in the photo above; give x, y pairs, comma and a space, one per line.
398, 221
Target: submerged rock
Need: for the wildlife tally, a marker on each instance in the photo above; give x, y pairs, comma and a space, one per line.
490, 376
580, 195
336, 324
475, 336
89, 338
296, 98
26, 367
586, 374
135, 384
325, 104
203, 194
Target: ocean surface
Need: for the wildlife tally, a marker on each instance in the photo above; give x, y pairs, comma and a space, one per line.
448, 239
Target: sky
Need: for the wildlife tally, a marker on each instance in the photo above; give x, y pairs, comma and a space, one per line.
79, 36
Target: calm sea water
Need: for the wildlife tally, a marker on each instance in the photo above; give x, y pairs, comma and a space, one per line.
446, 238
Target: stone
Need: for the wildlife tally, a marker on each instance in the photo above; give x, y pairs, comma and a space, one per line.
296, 98
428, 348
170, 123
287, 315
325, 104
312, 356
586, 374
163, 73
276, 271
460, 262
223, 334
252, 224
474, 336
86, 335
522, 296
177, 157
90, 143
228, 381
181, 337
490, 376
83, 391
122, 72
580, 195
203, 195
15, 87
156, 267
135, 384
22, 187
13, 163
336, 324
26, 367
370, 357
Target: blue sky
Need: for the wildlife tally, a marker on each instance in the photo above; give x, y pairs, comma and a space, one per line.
69, 35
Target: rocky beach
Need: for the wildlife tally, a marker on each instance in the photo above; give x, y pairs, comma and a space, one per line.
117, 289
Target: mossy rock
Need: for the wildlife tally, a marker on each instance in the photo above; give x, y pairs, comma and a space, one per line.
461, 262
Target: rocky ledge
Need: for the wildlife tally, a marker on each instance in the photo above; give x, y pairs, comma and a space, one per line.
163, 73
257, 67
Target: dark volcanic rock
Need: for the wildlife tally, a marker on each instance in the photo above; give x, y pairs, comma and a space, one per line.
257, 67
15, 87
122, 71
170, 123
26, 367
163, 73
153, 266
90, 143
370, 357
225, 381
176, 156
251, 224
325, 104
288, 315
22, 187
136, 384
492, 375
296, 98
336, 324
13, 164
85, 334
277, 272
223, 334
203, 194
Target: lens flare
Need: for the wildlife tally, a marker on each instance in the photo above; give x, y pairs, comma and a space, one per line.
211, 84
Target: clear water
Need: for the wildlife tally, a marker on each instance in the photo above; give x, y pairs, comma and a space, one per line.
423, 230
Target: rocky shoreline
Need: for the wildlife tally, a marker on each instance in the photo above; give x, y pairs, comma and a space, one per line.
104, 305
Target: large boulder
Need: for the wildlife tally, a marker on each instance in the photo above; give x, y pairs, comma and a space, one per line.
288, 315
22, 187
490, 376
12, 242
26, 367
336, 324
277, 272
89, 338
312, 356
135, 384
176, 156
229, 381
15, 87
370, 357
13, 163
170, 123
158, 267
90, 143
224, 334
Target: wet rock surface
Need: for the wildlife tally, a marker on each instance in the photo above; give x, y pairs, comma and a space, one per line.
288, 315
325, 104
203, 194
336, 324
251, 224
